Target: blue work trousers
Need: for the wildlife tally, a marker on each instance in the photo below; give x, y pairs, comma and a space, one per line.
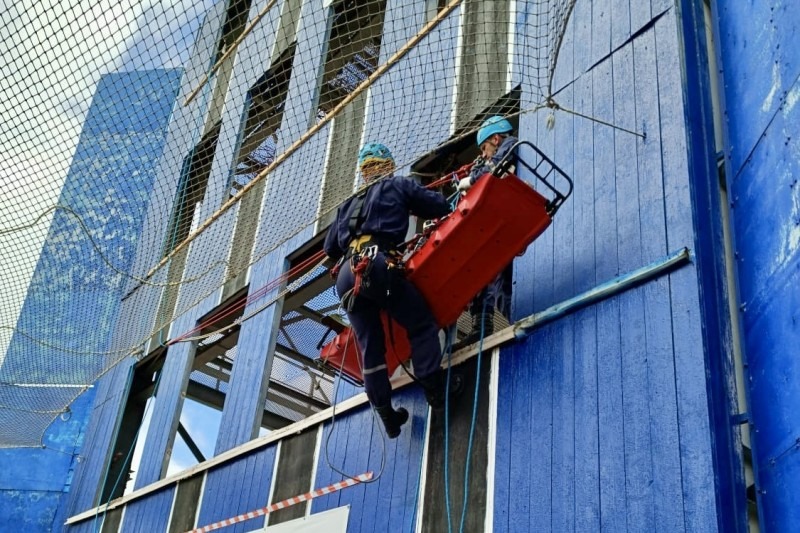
404, 303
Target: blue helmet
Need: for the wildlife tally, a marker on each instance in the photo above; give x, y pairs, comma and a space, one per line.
492, 125
374, 153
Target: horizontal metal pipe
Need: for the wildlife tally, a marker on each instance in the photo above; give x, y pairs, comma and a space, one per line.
526, 326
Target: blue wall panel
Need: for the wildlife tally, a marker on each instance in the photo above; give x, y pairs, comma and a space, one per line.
237, 487
169, 400
761, 73
356, 446
244, 405
617, 392
150, 513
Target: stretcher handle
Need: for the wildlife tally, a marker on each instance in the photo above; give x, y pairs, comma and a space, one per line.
543, 170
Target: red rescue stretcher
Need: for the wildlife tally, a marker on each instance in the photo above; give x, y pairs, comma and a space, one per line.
342, 353
496, 220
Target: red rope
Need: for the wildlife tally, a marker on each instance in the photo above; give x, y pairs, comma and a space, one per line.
270, 285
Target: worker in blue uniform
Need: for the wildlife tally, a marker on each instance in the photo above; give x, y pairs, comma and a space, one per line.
495, 139
367, 229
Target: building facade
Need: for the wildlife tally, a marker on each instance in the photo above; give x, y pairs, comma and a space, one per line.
121, 142
626, 414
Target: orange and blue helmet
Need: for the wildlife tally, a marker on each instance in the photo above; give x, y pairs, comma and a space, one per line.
492, 125
374, 153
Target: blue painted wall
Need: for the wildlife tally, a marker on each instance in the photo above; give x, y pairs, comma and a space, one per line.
757, 49
604, 418
34, 483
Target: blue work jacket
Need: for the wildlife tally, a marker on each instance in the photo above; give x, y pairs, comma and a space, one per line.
386, 209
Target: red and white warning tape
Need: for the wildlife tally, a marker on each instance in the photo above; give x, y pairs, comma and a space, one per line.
285, 503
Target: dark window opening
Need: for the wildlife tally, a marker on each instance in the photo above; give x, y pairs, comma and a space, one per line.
235, 20
353, 50
133, 427
192, 185
265, 103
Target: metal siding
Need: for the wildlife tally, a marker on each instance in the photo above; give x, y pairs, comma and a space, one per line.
150, 513
761, 69
237, 487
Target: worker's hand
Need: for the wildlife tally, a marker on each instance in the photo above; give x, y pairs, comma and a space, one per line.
464, 184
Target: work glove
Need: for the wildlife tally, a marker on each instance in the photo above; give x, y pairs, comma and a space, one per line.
464, 184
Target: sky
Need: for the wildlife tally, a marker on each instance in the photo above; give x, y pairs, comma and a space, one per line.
52, 54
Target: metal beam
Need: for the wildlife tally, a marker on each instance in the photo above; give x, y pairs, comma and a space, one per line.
215, 399
526, 326
299, 297
190, 443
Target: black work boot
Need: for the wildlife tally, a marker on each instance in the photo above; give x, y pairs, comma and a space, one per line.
435, 387
392, 419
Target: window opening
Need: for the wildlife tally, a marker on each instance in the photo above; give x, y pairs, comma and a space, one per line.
264, 106
354, 48
310, 317
133, 427
207, 387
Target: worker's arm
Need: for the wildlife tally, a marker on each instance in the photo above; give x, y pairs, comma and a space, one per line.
331, 245
423, 202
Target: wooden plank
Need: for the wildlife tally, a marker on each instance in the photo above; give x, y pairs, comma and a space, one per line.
634, 355
612, 453
601, 29
666, 469
639, 15
247, 391
540, 465
435, 516
693, 421
562, 281
293, 475
587, 446
167, 407
237, 487
187, 498
405, 501
503, 441
150, 513
620, 21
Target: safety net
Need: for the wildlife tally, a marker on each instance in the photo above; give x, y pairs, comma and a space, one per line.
153, 154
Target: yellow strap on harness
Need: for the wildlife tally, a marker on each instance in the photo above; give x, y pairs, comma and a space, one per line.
358, 243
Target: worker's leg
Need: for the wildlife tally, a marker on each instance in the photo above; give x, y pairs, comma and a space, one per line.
407, 306
365, 319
